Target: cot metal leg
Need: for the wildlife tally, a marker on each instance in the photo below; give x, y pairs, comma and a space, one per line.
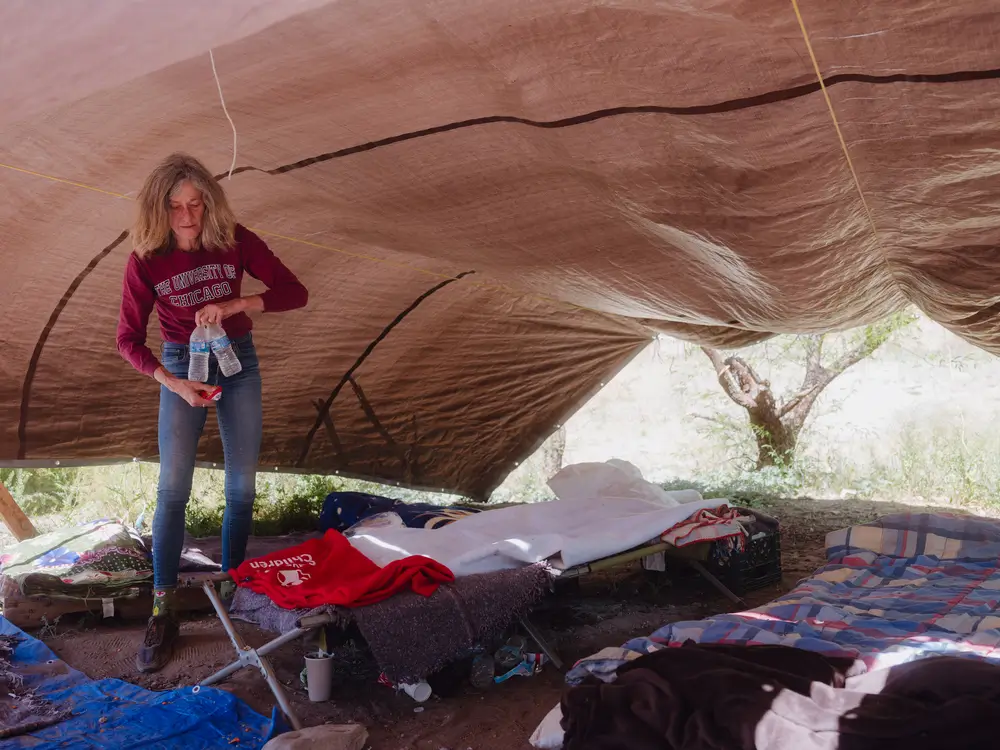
542, 643
267, 648
723, 589
247, 656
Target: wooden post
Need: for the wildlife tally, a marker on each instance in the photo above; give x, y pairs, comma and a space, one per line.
14, 518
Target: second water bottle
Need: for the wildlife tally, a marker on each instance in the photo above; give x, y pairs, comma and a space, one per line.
222, 348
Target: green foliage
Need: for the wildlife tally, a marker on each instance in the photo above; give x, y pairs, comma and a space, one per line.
925, 462
931, 458
527, 485
15, 480
751, 488
875, 335
943, 464
807, 364
292, 505
740, 489
42, 491
790, 350
733, 437
284, 503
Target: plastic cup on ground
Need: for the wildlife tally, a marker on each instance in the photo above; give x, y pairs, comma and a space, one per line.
319, 677
419, 691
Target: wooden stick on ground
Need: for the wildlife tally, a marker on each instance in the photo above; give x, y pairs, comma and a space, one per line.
13, 517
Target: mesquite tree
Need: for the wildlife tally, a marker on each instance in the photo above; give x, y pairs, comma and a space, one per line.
553, 453
777, 421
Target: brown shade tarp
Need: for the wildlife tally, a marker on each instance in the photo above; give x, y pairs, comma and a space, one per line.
494, 204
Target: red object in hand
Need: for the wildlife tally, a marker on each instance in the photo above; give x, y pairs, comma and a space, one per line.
331, 571
213, 395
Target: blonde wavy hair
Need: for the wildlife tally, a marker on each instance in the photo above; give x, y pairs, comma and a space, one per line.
151, 234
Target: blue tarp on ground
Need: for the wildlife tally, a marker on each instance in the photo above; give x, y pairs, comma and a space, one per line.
115, 715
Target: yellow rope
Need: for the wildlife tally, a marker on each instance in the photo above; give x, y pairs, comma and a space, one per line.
833, 115
64, 182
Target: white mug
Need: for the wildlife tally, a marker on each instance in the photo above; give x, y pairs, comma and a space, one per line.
292, 577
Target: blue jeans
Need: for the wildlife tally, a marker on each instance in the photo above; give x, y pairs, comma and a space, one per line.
240, 425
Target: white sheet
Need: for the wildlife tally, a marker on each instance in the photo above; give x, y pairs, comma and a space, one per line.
549, 734
565, 532
613, 480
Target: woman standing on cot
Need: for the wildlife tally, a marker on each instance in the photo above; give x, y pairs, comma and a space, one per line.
188, 263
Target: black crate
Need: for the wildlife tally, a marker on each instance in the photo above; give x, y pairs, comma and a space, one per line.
757, 566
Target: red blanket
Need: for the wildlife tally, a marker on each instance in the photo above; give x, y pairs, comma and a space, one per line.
330, 571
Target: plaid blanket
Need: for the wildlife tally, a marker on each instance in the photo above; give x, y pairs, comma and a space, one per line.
893, 591
945, 536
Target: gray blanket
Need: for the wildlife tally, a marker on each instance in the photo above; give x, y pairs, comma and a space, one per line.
413, 636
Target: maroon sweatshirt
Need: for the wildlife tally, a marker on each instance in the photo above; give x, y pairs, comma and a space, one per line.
179, 283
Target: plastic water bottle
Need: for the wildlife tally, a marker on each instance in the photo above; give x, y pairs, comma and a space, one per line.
199, 352
222, 348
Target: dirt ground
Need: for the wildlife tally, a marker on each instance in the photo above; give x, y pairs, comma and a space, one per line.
607, 610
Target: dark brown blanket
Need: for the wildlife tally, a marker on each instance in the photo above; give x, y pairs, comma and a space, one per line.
779, 698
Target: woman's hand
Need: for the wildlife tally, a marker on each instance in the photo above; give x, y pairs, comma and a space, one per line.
186, 389
191, 392
213, 314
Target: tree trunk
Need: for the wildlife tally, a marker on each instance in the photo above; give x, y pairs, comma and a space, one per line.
776, 441
777, 424
776, 427
553, 452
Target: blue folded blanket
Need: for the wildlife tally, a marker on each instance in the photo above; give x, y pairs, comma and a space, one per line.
341, 510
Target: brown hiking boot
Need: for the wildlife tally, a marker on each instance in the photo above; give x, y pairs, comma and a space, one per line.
158, 645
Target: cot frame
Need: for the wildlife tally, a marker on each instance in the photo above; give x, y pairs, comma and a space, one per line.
246, 656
